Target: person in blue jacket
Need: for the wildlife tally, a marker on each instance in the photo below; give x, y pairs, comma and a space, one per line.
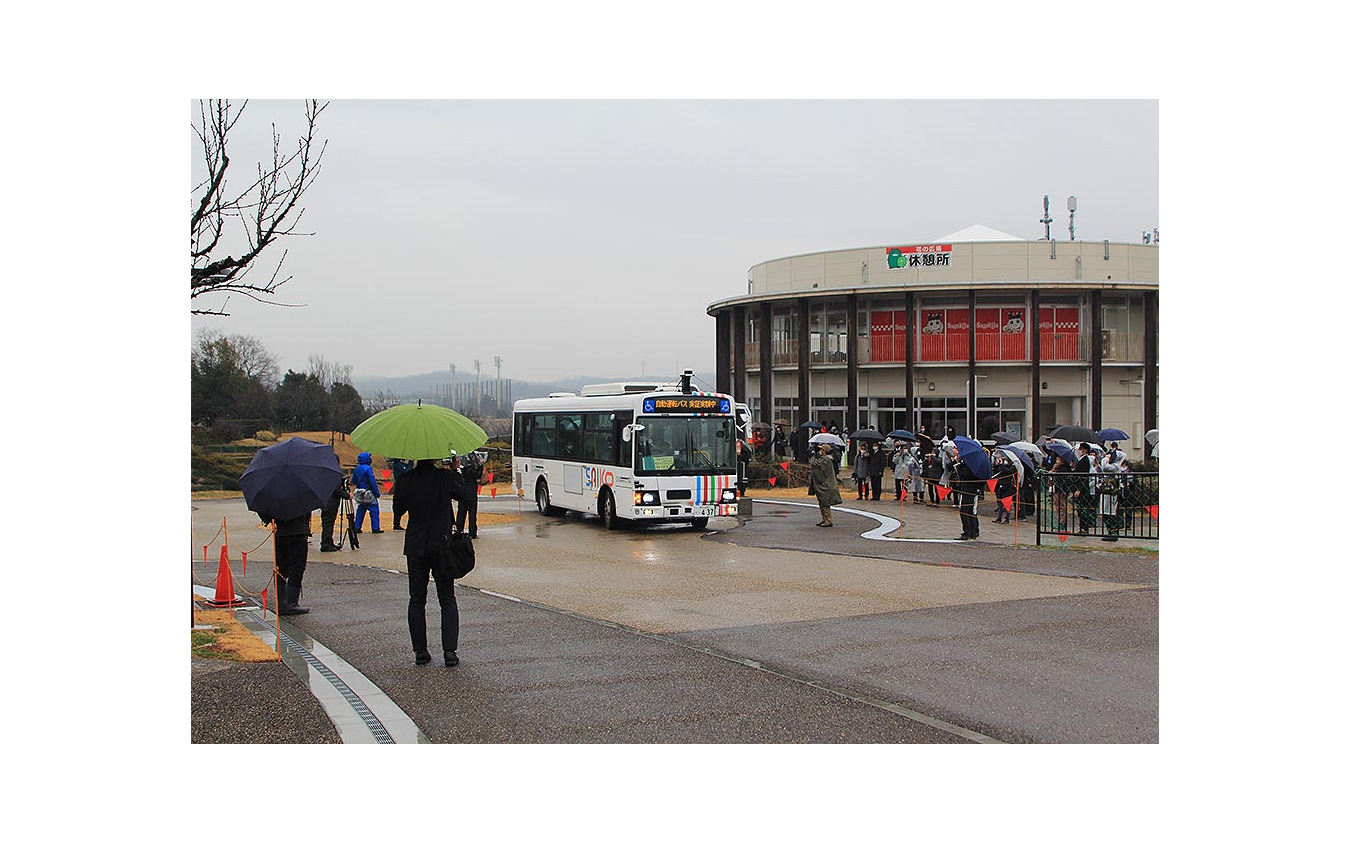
363, 478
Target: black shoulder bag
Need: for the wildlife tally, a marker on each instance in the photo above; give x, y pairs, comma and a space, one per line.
456, 554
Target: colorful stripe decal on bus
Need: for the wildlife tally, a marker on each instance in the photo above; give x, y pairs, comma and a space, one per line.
708, 489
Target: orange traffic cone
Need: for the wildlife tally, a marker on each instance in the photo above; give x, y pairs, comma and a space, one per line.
224, 584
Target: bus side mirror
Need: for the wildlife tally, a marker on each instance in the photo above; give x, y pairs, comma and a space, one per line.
628, 432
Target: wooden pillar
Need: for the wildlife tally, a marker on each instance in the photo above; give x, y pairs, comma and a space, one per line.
1095, 381
972, 425
804, 360
1150, 361
766, 362
738, 379
851, 311
1035, 325
910, 401
724, 351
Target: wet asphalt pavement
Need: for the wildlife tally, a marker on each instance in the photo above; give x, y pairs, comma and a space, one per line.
737, 635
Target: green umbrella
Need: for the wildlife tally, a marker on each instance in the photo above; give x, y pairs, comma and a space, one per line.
418, 432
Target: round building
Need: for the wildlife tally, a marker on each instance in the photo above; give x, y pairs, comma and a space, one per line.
978, 331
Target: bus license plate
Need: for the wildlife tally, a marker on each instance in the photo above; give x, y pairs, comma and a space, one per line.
705, 511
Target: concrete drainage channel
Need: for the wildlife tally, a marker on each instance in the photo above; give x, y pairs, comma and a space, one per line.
359, 710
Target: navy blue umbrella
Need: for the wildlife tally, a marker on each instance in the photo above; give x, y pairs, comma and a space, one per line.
1108, 434
974, 456
1063, 451
812, 425
1022, 455
290, 479
902, 434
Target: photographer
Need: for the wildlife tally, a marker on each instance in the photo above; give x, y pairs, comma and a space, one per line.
328, 515
472, 472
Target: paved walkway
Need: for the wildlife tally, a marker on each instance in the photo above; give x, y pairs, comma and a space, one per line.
535, 673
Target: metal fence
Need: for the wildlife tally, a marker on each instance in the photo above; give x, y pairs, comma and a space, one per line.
1123, 506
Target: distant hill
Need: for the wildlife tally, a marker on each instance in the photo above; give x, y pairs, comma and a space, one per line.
429, 383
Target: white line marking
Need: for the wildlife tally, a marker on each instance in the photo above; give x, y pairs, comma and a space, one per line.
888, 525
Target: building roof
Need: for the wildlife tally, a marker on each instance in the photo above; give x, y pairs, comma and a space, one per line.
976, 233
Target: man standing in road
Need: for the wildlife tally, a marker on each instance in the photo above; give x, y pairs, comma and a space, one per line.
399, 467
965, 485
424, 495
471, 470
291, 539
825, 484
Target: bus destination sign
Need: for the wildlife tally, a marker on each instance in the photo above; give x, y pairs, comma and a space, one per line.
686, 404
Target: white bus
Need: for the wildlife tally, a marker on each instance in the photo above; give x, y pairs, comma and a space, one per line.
645, 453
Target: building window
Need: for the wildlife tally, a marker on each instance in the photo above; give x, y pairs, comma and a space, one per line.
1061, 321
885, 327
1001, 328
1123, 328
944, 329
785, 336
829, 333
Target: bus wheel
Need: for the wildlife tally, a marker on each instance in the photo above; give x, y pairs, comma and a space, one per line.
607, 514
700, 523
541, 500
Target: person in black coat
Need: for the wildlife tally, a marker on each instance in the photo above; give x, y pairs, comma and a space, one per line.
329, 514
472, 473
292, 545
964, 486
425, 494
1006, 473
1083, 495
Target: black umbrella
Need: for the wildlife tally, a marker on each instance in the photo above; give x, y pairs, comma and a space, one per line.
1004, 438
1076, 434
867, 434
290, 479
812, 425
926, 443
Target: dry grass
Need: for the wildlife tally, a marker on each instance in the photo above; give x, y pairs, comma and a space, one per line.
229, 639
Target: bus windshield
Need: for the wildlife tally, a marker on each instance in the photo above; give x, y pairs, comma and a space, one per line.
700, 445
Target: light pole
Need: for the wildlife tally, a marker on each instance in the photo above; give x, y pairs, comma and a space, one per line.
973, 392
1140, 382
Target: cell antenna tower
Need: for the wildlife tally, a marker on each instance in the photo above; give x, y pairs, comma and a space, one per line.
1073, 209
1046, 219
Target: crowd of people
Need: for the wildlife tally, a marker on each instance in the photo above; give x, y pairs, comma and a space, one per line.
1087, 482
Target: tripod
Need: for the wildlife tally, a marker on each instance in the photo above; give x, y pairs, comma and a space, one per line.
347, 519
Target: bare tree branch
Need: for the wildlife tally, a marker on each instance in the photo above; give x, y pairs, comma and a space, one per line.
264, 211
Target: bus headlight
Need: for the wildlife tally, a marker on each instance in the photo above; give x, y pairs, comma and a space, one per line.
647, 497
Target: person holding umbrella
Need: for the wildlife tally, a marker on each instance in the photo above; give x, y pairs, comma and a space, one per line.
425, 495
1006, 473
1084, 500
825, 484
862, 463
284, 484
970, 469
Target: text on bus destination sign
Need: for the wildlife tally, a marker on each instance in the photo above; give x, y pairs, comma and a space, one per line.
686, 404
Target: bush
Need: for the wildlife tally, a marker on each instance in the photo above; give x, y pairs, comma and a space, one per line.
216, 471
758, 472
265, 436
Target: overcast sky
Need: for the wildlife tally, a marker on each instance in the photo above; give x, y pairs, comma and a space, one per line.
589, 237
